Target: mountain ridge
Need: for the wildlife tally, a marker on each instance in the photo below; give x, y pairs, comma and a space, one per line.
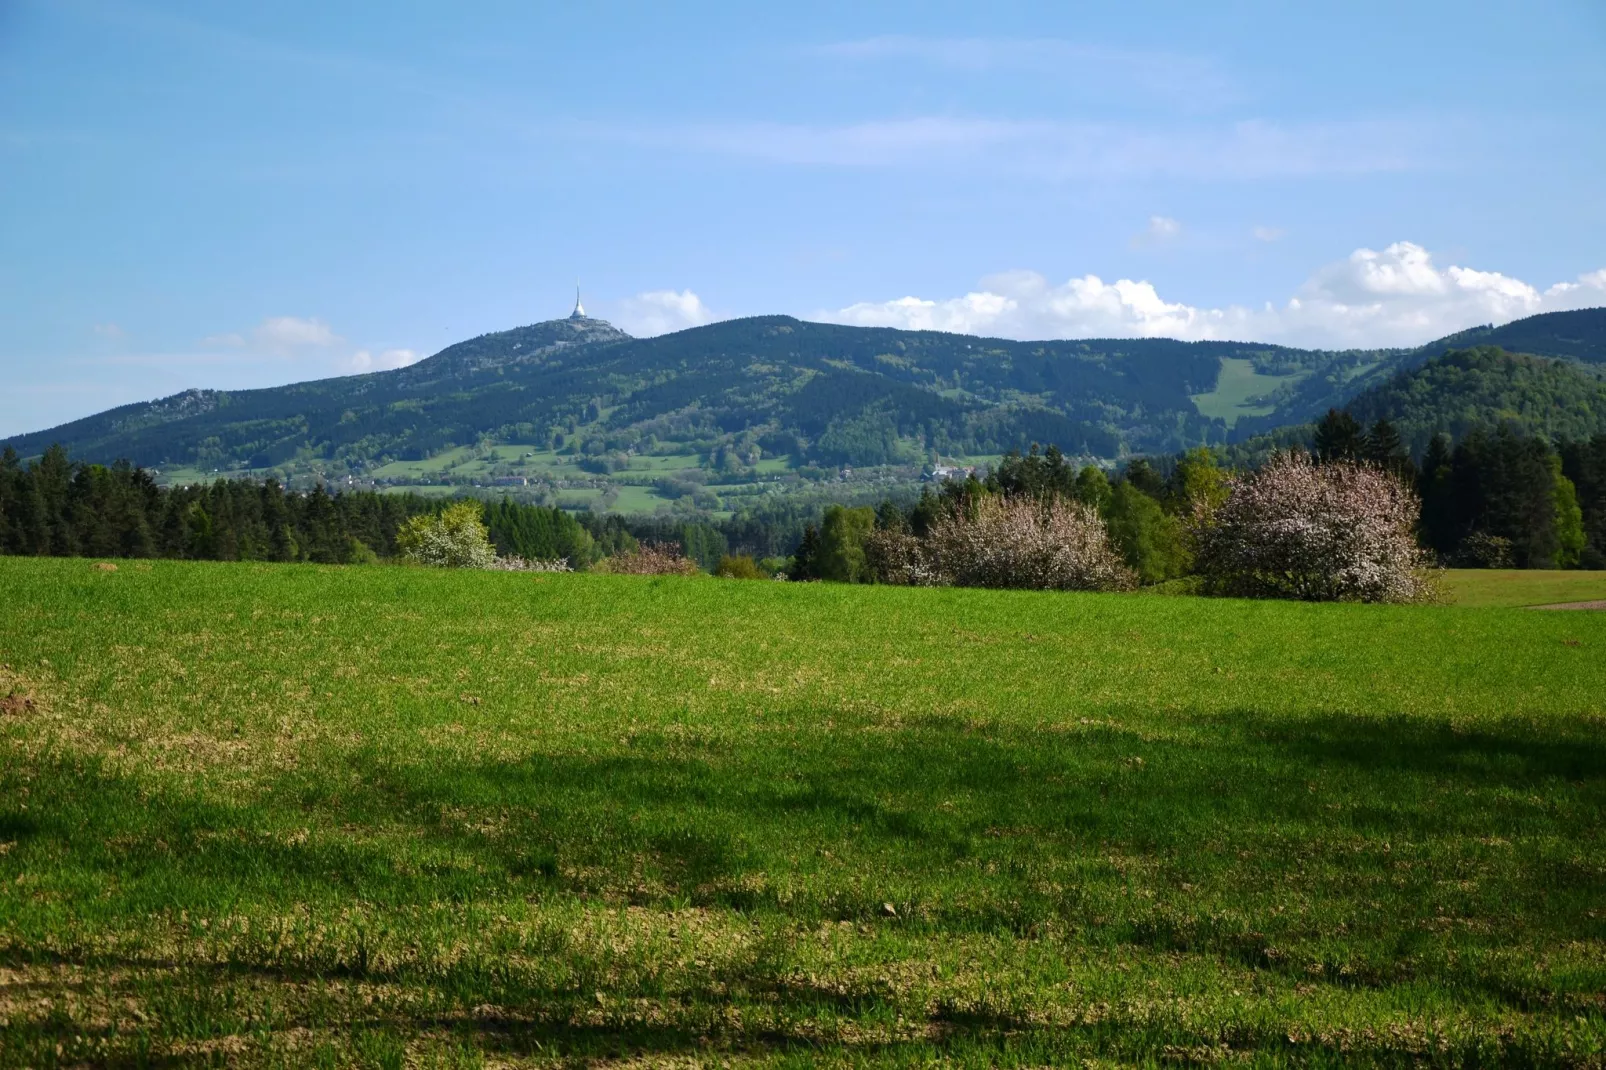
768, 386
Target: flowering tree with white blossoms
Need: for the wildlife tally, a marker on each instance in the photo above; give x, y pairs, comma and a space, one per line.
899, 558
1332, 532
1019, 542
454, 538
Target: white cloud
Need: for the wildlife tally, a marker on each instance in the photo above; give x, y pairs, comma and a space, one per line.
662, 311
291, 332
110, 330
1267, 234
1161, 229
386, 360
1394, 297
277, 334
278, 338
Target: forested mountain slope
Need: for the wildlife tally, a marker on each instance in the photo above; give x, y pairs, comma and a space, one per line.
820, 394
1486, 386
1462, 391
1578, 336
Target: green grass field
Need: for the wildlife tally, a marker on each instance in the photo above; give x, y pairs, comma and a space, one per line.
1521, 587
460, 461
1238, 383
303, 815
531, 459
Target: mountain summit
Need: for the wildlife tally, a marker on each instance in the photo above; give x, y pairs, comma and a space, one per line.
532, 345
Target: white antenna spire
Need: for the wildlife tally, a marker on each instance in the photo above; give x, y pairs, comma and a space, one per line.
579, 312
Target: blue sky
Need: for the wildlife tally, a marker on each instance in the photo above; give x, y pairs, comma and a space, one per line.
229, 195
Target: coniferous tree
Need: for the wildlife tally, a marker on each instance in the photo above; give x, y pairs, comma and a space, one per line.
1141, 474
1339, 438
1434, 488
1384, 448
888, 517
806, 558
1502, 486
13, 539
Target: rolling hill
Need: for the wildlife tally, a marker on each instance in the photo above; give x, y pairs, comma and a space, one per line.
1463, 389
1468, 388
769, 393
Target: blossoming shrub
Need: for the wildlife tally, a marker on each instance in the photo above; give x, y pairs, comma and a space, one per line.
1333, 532
454, 538
900, 558
1020, 542
531, 564
650, 559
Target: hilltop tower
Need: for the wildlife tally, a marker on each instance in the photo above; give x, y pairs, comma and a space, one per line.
579, 312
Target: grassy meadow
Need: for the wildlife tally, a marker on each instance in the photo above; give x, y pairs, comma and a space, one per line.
304, 815
1486, 587
1238, 386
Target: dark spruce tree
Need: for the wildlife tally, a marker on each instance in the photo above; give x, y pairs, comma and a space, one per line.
1502, 486
1385, 448
1339, 438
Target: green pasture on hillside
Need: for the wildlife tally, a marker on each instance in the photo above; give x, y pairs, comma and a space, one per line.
380, 816
530, 459
1237, 385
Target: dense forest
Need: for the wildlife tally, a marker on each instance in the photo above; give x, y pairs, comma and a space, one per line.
1497, 499
818, 392
1577, 337
57, 507
820, 395
1458, 392
1484, 386
54, 506
1494, 496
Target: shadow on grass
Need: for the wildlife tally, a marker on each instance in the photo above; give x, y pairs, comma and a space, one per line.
923, 801
999, 830
817, 1025
1380, 745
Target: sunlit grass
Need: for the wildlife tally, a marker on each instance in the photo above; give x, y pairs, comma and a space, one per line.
1521, 587
1237, 385
293, 813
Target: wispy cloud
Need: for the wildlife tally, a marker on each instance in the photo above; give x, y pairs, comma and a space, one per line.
284, 335
1161, 229
1055, 150
292, 332
1192, 82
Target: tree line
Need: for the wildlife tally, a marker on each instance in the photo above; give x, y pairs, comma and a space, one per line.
1498, 497
57, 507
